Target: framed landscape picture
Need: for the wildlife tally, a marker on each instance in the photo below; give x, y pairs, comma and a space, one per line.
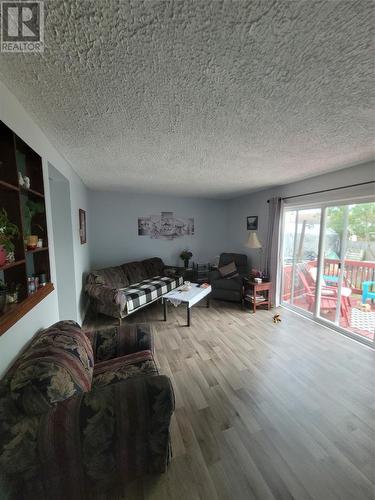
165, 225
252, 223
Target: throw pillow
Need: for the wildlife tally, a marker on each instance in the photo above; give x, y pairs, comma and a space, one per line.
228, 271
57, 365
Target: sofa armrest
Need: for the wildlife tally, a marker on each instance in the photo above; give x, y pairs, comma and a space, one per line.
102, 293
213, 276
123, 433
106, 295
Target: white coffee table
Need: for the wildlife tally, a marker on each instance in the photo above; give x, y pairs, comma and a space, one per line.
191, 297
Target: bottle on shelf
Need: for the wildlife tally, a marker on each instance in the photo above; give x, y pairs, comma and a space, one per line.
31, 285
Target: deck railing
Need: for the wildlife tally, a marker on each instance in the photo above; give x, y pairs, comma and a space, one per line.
355, 273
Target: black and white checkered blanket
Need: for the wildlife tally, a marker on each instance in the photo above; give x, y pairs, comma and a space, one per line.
146, 291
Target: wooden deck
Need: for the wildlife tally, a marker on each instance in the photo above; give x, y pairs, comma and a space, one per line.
303, 291
263, 411
355, 303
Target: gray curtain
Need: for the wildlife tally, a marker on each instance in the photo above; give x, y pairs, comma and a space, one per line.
273, 266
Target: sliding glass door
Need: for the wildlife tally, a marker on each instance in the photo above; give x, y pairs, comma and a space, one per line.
300, 257
348, 268
329, 265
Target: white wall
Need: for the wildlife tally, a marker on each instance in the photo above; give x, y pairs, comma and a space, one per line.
16, 118
256, 203
113, 224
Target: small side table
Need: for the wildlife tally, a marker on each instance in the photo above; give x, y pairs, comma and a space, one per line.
252, 289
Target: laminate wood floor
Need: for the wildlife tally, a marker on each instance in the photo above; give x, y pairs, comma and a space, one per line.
263, 411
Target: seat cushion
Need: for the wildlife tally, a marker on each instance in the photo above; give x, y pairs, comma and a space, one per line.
228, 271
148, 290
116, 341
138, 364
234, 284
239, 259
345, 291
113, 277
134, 271
153, 267
57, 365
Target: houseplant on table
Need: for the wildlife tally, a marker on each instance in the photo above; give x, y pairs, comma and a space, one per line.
32, 208
8, 232
186, 255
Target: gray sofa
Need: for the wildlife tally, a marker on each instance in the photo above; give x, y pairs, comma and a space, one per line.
229, 289
121, 290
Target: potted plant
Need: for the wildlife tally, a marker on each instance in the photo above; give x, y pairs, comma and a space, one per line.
186, 255
8, 231
3, 295
32, 208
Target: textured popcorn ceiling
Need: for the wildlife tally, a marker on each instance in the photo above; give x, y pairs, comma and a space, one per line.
207, 98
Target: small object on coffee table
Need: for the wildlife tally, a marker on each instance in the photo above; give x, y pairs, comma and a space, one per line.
185, 287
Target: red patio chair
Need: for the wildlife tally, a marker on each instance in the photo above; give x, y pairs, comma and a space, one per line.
329, 294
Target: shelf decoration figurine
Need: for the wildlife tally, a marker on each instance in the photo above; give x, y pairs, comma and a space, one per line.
21, 180
42, 279
13, 291
32, 208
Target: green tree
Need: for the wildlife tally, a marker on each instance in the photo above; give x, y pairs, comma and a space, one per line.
361, 220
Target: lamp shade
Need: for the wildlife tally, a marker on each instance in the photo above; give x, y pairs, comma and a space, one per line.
253, 241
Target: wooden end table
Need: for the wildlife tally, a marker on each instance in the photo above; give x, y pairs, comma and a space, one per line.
252, 288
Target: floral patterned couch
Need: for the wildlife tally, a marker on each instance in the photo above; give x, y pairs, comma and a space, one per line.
119, 291
82, 414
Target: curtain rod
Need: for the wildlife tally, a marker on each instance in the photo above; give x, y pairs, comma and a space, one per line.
327, 190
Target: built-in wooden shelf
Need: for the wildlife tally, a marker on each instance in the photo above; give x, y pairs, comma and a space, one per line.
14, 312
9, 265
31, 191
36, 250
18, 159
6, 185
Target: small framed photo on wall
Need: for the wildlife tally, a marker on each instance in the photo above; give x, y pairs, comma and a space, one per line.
82, 226
252, 223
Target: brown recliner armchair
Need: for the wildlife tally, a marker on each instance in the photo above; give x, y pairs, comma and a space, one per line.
229, 288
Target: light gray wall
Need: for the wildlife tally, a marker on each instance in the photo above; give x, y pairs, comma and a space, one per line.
46, 312
113, 224
256, 203
220, 225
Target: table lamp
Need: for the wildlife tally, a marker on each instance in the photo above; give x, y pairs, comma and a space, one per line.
254, 243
